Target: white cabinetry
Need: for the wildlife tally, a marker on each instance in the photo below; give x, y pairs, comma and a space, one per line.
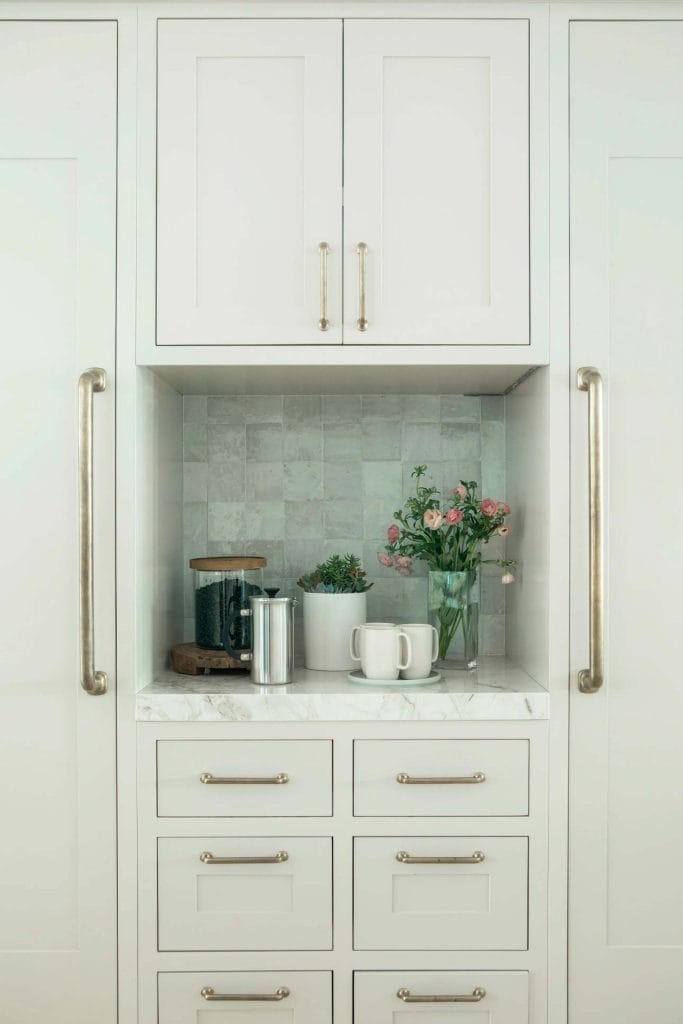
249, 181
57, 319
626, 884
436, 180
310, 904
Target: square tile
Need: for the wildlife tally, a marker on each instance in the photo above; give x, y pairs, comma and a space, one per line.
194, 408
421, 443
343, 518
264, 519
303, 441
341, 408
194, 442
383, 481
342, 480
492, 407
460, 409
226, 481
342, 441
194, 526
432, 478
460, 441
381, 407
381, 439
302, 410
195, 475
226, 442
304, 519
302, 555
302, 481
264, 442
421, 408
262, 408
377, 518
263, 481
226, 521
226, 409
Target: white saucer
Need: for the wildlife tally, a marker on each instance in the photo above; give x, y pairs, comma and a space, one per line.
358, 677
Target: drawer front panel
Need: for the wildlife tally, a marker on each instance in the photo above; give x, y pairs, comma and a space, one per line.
477, 904
502, 997
282, 901
260, 778
454, 768
308, 998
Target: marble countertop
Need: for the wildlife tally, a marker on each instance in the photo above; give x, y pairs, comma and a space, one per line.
496, 691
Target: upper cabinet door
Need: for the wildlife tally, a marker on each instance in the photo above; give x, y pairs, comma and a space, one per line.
436, 182
249, 181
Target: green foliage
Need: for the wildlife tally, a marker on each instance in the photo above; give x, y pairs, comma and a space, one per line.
340, 574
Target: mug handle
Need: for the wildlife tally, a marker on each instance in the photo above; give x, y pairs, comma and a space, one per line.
352, 646
409, 650
435, 644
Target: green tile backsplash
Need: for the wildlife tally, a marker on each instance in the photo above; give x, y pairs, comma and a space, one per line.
298, 477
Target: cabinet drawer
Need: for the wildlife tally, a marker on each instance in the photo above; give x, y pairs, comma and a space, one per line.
244, 778
405, 900
505, 999
441, 777
308, 998
274, 892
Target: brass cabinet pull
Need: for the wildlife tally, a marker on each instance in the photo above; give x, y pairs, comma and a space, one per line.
90, 382
591, 679
323, 322
472, 997
216, 780
440, 780
362, 251
280, 857
256, 997
405, 858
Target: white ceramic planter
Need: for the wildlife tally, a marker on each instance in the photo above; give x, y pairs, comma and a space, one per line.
328, 621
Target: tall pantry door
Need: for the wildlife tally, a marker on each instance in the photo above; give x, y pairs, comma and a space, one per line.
626, 752
57, 304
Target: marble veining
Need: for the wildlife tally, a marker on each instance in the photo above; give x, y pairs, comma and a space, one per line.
496, 691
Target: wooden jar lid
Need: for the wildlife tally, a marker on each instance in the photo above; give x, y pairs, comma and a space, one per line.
228, 563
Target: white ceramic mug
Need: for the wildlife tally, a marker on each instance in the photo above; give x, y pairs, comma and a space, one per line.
377, 645
424, 643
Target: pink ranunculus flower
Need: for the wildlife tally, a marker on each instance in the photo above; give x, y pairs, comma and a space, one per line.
393, 533
489, 506
403, 561
454, 515
504, 508
460, 491
507, 577
503, 531
433, 518
385, 560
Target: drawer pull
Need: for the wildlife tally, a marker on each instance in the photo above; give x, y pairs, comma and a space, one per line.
256, 997
405, 858
440, 780
216, 780
473, 997
279, 858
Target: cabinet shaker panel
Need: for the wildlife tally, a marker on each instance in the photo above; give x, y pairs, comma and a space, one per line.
248, 180
436, 181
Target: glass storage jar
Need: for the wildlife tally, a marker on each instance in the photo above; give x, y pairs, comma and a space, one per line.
222, 588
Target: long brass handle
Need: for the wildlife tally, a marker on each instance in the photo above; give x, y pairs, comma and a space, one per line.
405, 858
472, 997
591, 679
323, 322
362, 251
279, 858
440, 780
256, 997
90, 382
217, 780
